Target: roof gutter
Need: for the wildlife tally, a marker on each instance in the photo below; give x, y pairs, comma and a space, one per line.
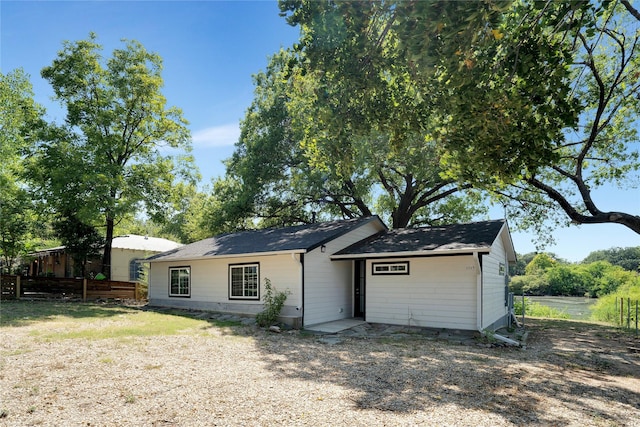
224, 256
427, 253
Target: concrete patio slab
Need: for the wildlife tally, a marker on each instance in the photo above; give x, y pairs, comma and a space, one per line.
335, 326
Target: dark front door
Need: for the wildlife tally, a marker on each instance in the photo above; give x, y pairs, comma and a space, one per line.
358, 288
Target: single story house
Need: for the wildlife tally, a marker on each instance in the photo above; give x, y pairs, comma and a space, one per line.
452, 277
127, 253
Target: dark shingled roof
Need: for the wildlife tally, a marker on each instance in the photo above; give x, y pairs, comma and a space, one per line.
302, 237
470, 236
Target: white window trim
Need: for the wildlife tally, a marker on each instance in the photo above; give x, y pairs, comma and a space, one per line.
243, 267
188, 294
390, 268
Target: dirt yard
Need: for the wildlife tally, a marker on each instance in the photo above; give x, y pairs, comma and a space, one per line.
209, 373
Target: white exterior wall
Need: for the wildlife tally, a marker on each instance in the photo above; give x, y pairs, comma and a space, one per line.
328, 285
120, 259
439, 292
493, 283
210, 284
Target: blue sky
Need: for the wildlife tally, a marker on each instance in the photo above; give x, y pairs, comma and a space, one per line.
210, 51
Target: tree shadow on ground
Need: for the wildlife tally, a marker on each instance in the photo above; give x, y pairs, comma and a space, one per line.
535, 386
569, 370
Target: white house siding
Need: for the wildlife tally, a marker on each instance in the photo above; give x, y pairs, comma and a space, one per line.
120, 259
328, 284
210, 284
493, 285
439, 292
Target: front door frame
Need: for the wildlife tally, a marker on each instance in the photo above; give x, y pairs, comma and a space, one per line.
359, 288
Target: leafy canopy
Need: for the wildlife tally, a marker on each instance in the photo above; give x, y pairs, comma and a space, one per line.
110, 158
20, 123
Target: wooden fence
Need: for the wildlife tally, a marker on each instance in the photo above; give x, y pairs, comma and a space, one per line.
16, 287
629, 311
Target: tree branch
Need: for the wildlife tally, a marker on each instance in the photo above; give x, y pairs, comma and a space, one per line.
597, 217
634, 12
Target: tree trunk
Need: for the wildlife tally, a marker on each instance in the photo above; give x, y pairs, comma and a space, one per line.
106, 257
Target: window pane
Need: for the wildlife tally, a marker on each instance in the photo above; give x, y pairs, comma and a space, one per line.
251, 281
179, 281
134, 270
391, 268
236, 281
244, 281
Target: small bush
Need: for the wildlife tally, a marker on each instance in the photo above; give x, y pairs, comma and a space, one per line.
273, 303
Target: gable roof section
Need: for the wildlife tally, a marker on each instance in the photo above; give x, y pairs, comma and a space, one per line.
143, 243
129, 241
300, 239
447, 239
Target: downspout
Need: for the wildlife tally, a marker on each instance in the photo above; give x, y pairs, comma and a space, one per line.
479, 313
301, 308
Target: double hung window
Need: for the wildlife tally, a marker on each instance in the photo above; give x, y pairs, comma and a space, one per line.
179, 281
244, 281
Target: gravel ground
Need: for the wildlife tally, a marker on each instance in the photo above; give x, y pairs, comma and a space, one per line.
570, 374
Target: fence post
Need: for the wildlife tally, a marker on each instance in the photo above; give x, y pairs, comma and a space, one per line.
523, 309
621, 312
84, 289
135, 292
636, 317
628, 313
17, 287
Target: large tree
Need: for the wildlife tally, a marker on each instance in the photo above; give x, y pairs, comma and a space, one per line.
536, 101
555, 93
20, 122
109, 159
81, 240
292, 160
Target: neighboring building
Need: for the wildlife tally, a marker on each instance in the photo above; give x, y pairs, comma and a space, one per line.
127, 252
446, 277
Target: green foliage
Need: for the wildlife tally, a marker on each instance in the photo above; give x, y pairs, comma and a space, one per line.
107, 160
267, 177
545, 276
518, 269
539, 264
16, 222
20, 124
529, 284
533, 101
318, 138
607, 308
607, 278
273, 303
627, 258
82, 241
535, 309
567, 280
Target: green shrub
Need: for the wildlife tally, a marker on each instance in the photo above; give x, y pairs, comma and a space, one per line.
529, 284
273, 303
607, 308
539, 264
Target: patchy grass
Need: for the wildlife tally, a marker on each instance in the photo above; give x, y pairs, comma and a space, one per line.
23, 313
536, 309
61, 321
